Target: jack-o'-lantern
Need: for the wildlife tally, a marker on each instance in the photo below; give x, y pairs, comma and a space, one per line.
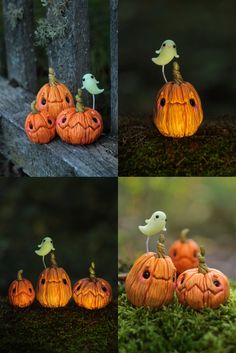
184, 253
92, 292
54, 286
151, 280
178, 110
40, 127
54, 96
202, 287
21, 292
79, 125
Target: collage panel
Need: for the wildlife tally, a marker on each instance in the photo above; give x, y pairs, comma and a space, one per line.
177, 278
58, 250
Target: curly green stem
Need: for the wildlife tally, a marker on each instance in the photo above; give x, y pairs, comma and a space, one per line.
92, 273
161, 246
52, 77
176, 73
53, 259
183, 235
202, 267
79, 102
19, 275
33, 107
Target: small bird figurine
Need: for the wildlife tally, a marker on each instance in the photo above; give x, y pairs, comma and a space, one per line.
154, 225
166, 53
45, 248
90, 84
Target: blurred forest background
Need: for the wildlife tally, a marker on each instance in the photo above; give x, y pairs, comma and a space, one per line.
207, 206
204, 32
79, 214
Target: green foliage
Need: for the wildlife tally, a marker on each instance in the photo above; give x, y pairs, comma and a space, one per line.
177, 329
145, 152
15, 14
70, 329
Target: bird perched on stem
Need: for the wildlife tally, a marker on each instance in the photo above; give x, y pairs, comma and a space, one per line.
45, 248
153, 226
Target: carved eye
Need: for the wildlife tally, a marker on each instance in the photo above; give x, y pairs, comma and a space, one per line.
30, 126
162, 102
43, 101
63, 120
192, 102
43, 281
95, 119
14, 290
195, 253
64, 281
146, 274
30, 289
216, 283
67, 99
78, 288
49, 121
104, 289
174, 46
182, 280
174, 253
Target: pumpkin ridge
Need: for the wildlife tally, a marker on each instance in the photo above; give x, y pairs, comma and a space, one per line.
150, 283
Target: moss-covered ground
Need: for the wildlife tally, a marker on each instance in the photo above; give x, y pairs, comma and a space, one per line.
143, 151
63, 330
177, 329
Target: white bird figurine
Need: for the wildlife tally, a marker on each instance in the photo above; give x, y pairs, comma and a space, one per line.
90, 84
45, 248
154, 225
166, 53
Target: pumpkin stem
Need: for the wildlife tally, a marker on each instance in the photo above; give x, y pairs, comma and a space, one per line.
176, 73
183, 235
92, 273
79, 102
19, 275
52, 77
33, 107
53, 259
161, 246
202, 267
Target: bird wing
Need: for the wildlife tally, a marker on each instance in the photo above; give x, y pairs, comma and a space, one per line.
39, 246
146, 220
158, 51
39, 252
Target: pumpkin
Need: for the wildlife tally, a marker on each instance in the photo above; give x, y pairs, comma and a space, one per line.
40, 127
202, 287
92, 292
178, 110
151, 280
54, 286
21, 292
184, 252
79, 125
54, 96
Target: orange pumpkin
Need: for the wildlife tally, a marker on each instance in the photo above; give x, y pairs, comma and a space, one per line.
40, 127
79, 125
54, 286
178, 110
21, 292
54, 96
202, 287
151, 280
93, 292
184, 253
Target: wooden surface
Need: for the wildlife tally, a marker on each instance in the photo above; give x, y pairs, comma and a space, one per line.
56, 158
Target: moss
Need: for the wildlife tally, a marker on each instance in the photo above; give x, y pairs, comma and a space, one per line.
177, 329
144, 151
70, 329
15, 14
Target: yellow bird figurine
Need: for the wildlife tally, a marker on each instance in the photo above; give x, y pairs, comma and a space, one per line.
154, 225
45, 248
166, 53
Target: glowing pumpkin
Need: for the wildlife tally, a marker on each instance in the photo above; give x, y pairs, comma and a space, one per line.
178, 110
21, 292
151, 280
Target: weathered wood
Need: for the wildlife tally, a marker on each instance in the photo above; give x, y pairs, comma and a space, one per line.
18, 27
69, 54
114, 64
56, 158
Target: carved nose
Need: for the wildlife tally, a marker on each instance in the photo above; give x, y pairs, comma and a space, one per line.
62, 120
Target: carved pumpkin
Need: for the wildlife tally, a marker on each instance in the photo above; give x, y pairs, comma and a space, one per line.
184, 253
202, 287
79, 125
40, 127
54, 96
151, 280
54, 286
178, 110
21, 292
93, 292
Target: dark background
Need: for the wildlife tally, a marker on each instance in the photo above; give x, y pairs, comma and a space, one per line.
205, 35
80, 214
207, 206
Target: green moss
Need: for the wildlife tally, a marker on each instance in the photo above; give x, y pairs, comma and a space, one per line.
70, 329
177, 329
144, 151
15, 14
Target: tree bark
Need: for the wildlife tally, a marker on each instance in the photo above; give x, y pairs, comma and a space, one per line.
69, 54
20, 56
114, 64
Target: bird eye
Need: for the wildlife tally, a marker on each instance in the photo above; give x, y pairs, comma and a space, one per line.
174, 46
157, 216
164, 44
44, 240
50, 241
92, 76
83, 79
166, 219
